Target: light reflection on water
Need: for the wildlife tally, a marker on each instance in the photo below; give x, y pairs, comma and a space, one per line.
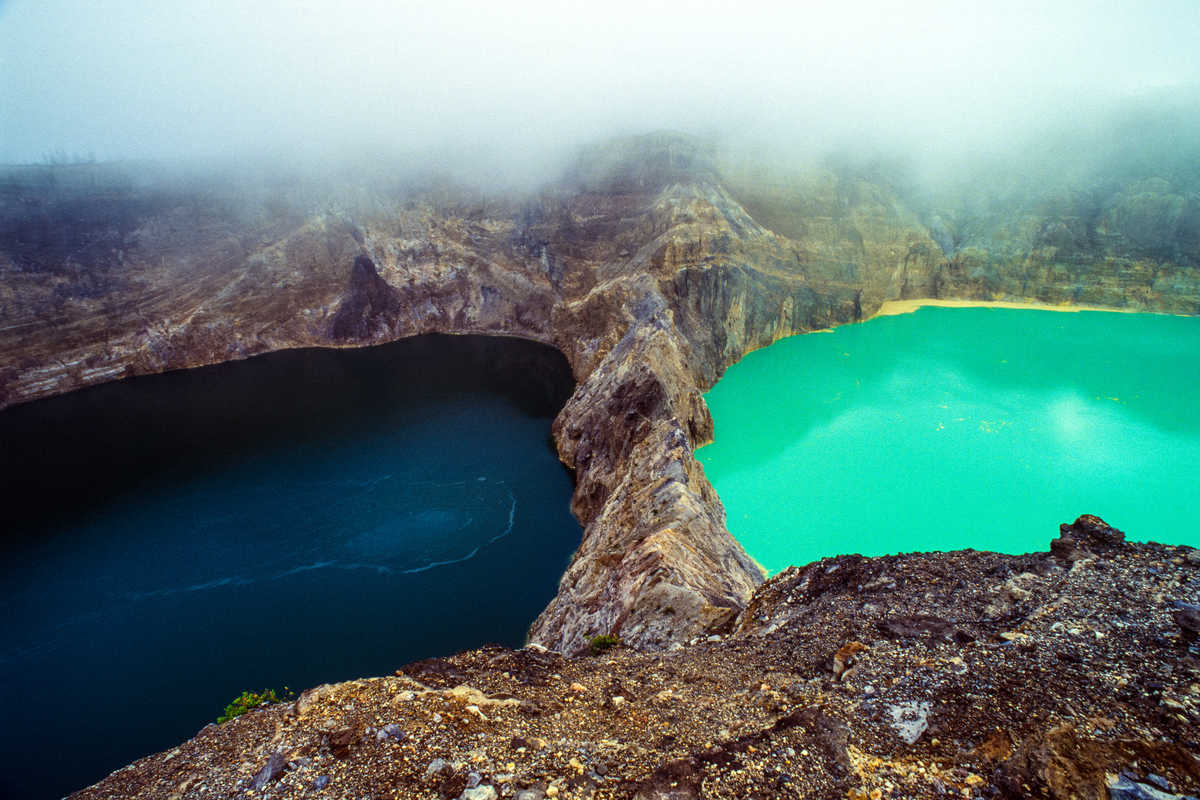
954, 428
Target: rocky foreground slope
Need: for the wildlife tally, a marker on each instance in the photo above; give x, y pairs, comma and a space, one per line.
1068, 674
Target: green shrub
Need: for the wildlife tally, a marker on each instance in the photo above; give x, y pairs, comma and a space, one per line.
248, 700
605, 641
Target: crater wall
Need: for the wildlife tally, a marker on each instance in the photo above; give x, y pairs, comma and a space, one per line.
651, 265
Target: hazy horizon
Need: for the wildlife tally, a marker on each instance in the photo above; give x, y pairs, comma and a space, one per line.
510, 89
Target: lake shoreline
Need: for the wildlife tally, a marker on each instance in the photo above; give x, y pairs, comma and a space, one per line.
892, 308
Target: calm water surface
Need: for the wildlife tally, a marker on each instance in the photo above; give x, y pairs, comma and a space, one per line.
955, 428
298, 518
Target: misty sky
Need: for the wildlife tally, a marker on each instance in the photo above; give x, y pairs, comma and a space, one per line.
314, 79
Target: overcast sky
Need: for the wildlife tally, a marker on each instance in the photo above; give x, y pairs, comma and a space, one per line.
312, 79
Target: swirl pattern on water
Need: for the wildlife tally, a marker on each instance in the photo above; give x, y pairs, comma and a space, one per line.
299, 518
382, 525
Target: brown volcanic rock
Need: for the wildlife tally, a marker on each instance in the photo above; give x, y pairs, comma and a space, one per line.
1084, 683
1086, 536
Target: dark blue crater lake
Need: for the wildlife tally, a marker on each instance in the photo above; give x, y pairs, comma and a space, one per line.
297, 518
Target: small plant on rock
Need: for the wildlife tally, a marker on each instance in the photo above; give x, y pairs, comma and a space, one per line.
248, 700
605, 641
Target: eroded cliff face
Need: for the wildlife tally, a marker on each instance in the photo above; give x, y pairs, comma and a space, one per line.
652, 265
1132, 243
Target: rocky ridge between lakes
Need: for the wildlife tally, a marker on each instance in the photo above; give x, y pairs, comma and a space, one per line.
1068, 674
652, 264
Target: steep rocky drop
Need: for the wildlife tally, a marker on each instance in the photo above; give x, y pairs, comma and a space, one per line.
1061, 674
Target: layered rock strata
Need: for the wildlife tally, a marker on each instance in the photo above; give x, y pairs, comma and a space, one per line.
652, 265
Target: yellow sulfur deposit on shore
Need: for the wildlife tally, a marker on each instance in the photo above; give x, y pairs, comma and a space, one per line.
891, 308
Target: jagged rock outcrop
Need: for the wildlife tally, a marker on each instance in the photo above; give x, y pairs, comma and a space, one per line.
653, 265
1085, 537
964, 674
655, 564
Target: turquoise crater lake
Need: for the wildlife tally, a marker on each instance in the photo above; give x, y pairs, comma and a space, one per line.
298, 518
959, 428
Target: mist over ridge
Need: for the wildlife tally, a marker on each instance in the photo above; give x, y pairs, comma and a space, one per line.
505, 93
987, 143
